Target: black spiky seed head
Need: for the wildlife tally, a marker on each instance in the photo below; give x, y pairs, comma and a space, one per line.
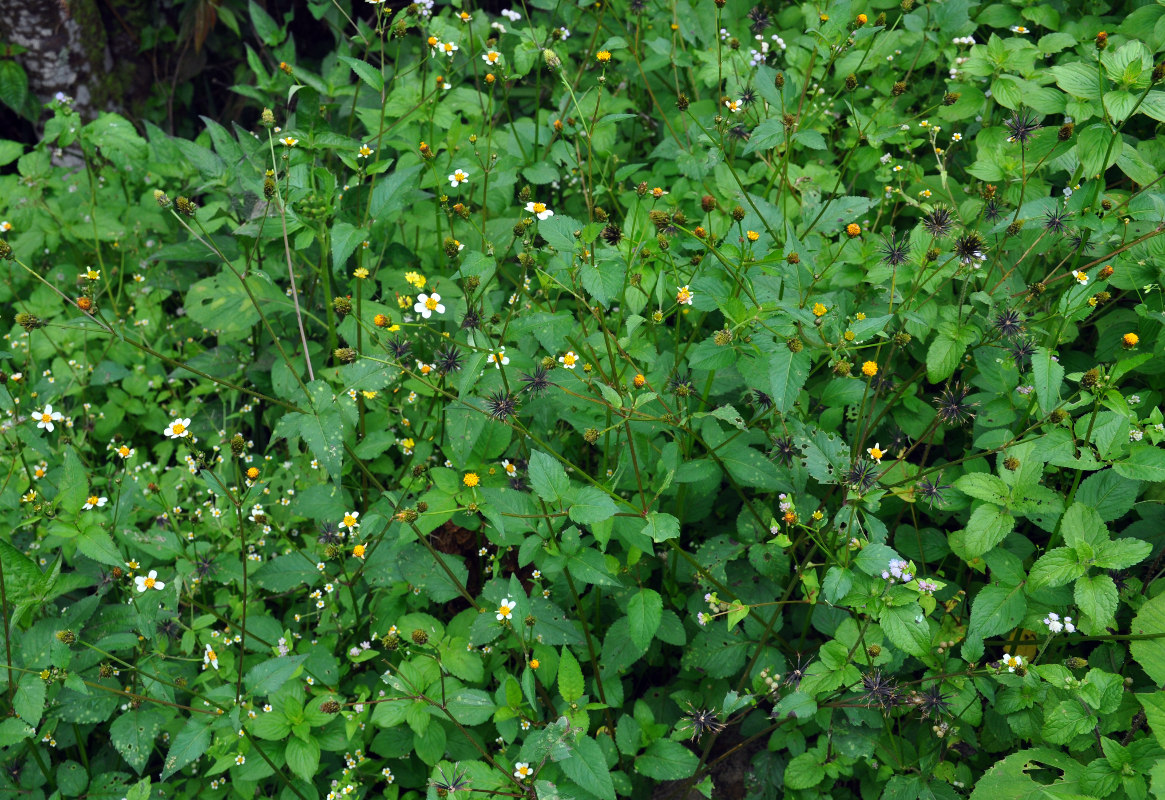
759, 19
762, 400
748, 96
1021, 125
1022, 351
1009, 323
537, 382
953, 406
448, 359
932, 490
894, 252
739, 132
938, 222
502, 404
991, 210
932, 701
1054, 220
880, 691
471, 320
702, 721
862, 475
400, 347
783, 451
969, 247
611, 234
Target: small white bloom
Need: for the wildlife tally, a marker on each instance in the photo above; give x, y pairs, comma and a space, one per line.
426, 304
540, 210
149, 581
178, 428
47, 417
522, 771
458, 177
350, 520
506, 609
95, 502
569, 361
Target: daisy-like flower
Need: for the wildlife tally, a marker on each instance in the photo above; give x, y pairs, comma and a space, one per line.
498, 359
471, 479
149, 581
93, 274
1012, 662
511, 14
240, 759
511, 469
125, 451
464, 16
506, 609
522, 771
458, 177
569, 361
492, 57
210, 658
5, 226
94, 501
427, 304
733, 105
684, 296
364, 151
1081, 277
178, 428
46, 418
876, 452
539, 210
289, 141
449, 48
870, 368
359, 551
1018, 29
350, 520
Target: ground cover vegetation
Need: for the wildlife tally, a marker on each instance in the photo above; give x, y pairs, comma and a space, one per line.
643, 398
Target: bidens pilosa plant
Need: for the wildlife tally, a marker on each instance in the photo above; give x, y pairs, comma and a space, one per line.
626, 399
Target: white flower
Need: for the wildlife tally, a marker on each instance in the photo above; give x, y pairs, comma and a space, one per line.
1018, 29
178, 428
210, 658
46, 418
539, 209
1053, 622
458, 177
1068, 626
492, 57
289, 141
506, 609
240, 759
149, 581
569, 361
684, 295
449, 48
5, 226
498, 359
733, 106
511, 14
522, 771
876, 452
426, 304
349, 521
95, 502
1012, 662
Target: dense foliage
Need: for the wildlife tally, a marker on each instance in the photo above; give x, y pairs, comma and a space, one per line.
626, 399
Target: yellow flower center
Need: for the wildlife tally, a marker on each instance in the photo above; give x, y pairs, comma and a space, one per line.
431, 304
149, 583
210, 654
46, 417
93, 500
358, 551
349, 521
123, 451
178, 428
875, 453
539, 208
504, 611
569, 359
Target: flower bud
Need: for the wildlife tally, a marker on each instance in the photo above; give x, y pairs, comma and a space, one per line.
185, 207
238, 445
161, 198
267, 118
795, 345
420, 636
898, 88
29, 322
950, 98
329, 706
551, 59
342, 305
66, 637
345, 355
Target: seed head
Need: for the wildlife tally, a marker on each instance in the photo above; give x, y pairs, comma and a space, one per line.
342, 305
345, 355
420, 636
953, 406
329, 706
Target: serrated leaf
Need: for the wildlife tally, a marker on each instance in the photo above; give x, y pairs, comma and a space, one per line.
906, 627
190, 743
132, 734
570, 677
303, 757
28, 702
1150, 653
988, 526
661, 527
983, 486
787, 374
591, 506
268, 676
548, 477
588, 768
644, 613
1097, 598
1048, 375
666, 760
366, 72
997, 609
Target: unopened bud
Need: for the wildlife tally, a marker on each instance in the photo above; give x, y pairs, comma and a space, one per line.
345, 355
267, 118
343, 305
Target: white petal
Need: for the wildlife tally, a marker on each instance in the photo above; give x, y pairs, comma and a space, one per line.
159, 585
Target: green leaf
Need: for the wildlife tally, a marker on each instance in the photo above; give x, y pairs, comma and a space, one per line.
1150, 653
1109, 494
345, 238
996, 609
749, 467
28, 702
1121, 553
983, 486
395, 192
1097, 597
548, 477
661, 527
570, 677
987, 527
1009, 778
13, 85
942, 357
471, 706
591, 506
1055, 568
1077, 79
266, 28
190, 743
1091, 145
907, 628
787, 374
804, 771
1048, 375
666, 760
1066, 721
303, 757
270, 675
1154, 705
644, 613
366, 72
1082, 525
74, 484
588, 768
98, 545
133, 734
1144, 463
